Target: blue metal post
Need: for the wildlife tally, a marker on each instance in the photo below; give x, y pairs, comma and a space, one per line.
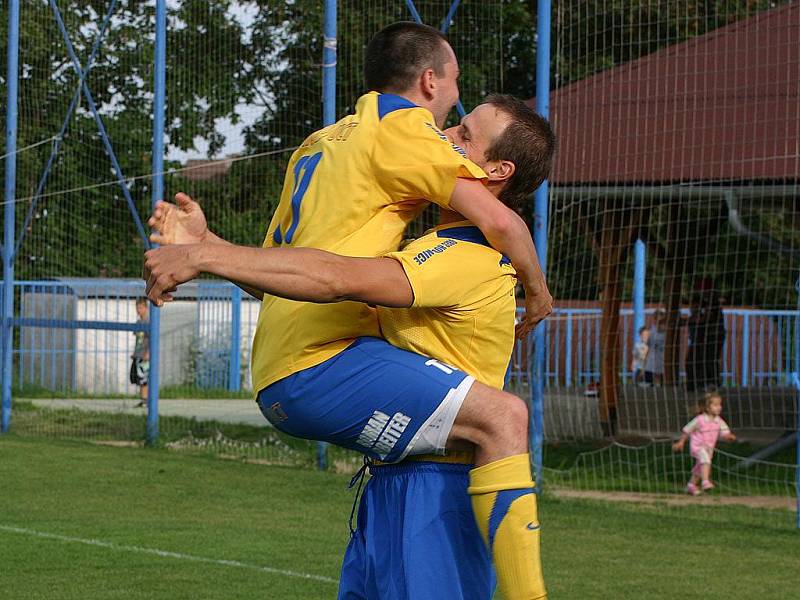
101, 128
159, 90
540, 238
329, 65
234, 381
328, 118
639, 267
6, 330
745, 350
797, 407
60, 137
449, 18
444, 27
568, 352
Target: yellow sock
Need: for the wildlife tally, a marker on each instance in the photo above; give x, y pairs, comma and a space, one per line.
505, 509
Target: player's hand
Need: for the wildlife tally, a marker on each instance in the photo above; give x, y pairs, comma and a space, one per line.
179, 223
538, 306
677, 447
167, 267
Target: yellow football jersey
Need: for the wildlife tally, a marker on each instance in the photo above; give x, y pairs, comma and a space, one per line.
351, 188
464, 307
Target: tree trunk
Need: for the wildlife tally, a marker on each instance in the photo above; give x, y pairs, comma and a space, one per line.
616, 237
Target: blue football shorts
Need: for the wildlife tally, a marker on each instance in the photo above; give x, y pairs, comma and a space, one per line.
417, 538
374, 398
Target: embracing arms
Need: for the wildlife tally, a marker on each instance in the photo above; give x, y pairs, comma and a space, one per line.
304, 274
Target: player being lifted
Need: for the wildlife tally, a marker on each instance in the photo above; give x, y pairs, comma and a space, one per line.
319, 371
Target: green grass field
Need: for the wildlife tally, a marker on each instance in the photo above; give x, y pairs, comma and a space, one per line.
87, 521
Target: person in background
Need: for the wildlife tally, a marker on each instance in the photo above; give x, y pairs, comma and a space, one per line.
706, 325
639, 355
654, 360
703, 432
140, 359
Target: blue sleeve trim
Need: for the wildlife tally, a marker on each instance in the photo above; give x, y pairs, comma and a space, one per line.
470, 233
388, 103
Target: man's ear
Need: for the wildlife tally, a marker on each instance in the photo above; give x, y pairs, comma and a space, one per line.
500, 170
427, 83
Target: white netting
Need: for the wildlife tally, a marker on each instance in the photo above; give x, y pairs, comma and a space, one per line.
678, 126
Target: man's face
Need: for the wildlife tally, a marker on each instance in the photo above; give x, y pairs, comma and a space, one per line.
141, 310
446, 88
478, 131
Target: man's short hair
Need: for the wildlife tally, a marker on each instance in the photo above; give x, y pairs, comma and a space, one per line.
397, 54
529, 142
140, 301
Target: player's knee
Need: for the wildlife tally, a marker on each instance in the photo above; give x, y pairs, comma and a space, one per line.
517, 411
508, 418
491, 418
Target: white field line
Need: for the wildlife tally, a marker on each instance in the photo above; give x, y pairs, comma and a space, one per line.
165, 554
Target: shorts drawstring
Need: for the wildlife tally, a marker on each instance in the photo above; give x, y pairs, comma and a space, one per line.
358, 478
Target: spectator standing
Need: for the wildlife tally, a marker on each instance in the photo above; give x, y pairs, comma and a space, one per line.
640, 355
140, 359
654, 360
706, 325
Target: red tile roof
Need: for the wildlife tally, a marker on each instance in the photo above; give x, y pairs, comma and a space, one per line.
724, 106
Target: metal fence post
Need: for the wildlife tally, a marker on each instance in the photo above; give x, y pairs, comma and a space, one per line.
540, 237
234, 378
745, 350
328, 118
6, 330
639, 270
159, 87
797, 405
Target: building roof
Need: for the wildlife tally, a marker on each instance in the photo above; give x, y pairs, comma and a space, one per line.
203, 169
724, 106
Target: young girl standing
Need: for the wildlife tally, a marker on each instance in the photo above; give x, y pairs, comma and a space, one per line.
703, 432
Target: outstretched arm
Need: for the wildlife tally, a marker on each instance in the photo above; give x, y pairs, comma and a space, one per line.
508, 233
304, 274
678, 446
185, 223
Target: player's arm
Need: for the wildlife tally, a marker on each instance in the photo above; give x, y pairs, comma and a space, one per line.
508, 233
185, 223
304, 274
413, 159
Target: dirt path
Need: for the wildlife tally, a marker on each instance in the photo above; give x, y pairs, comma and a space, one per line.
681, 500
226, 411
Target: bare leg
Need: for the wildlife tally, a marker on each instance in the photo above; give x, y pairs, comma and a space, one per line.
502, 488
496, 422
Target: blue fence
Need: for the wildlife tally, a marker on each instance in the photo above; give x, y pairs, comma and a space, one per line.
76, 335
758, 350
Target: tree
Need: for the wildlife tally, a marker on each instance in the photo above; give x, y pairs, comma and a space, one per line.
89, 231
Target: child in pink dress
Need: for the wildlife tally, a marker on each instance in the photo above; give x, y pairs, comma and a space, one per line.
703, 432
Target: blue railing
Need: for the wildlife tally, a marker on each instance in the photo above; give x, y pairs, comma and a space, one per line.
77, 335
758, 350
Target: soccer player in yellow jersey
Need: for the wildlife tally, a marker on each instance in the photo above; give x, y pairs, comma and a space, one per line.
461, 308
351, 188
